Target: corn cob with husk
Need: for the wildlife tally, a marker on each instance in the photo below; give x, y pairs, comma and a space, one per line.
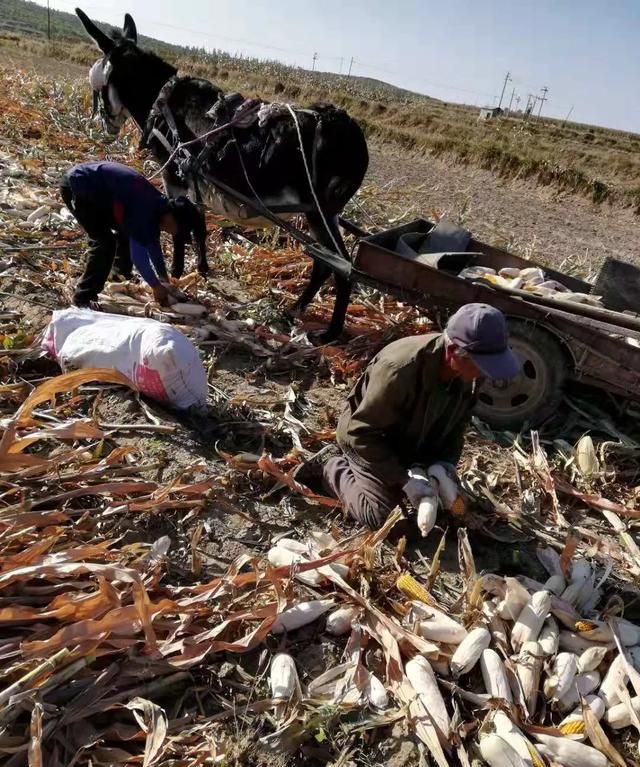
597, 631
448, 491
556, 584
301, 614
528, 669
514, 600
570, 641
284, 681
586, 458
494, 675
549, 637
340, 620
498, 752
376, 694
506, 729
615, 677
573, 724
591, 658
583, 685
279, 556
414, 590
550, 560
423, 681
468, 652
570, 753
564, 672
619, 716
530, 621
434, 625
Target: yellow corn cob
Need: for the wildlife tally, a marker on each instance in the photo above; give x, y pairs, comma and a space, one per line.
575, 727
413, 590
458, 506
585, 626
535, 756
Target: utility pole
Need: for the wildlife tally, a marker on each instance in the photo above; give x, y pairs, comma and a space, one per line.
513, 93
542, 98
341, 64
351, 63
48, 20
504, 85
566, 119
313, 66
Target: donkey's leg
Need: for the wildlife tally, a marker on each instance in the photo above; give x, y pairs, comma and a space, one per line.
343, 285
173, 187
320, 273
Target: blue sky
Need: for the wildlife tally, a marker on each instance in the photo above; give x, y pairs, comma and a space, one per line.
586, 51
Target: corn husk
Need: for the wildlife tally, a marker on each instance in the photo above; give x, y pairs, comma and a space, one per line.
507, 729
498, 752
423, 681
448, 491
615, 677
301, 614
586, 458
591, 658
529, 622
528, 669
583, 685
580, 570
494, 674
597, 631
570, 753
564, 673
339, 621
468, 652
634, 657
572, 593
279, 556
618, 717
549, 637
550, 560
556, 584
570, 641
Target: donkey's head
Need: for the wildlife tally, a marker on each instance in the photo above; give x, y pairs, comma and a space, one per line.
126, 80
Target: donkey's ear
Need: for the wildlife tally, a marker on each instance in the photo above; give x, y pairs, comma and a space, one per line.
129, 28
104, 42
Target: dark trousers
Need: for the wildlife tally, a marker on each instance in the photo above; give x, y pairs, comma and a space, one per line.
107, 247
364, 496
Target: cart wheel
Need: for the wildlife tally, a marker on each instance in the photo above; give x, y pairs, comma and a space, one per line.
536, 393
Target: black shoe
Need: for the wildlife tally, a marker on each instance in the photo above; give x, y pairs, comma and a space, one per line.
311, 475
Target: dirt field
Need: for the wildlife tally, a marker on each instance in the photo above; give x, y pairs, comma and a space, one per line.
262, 385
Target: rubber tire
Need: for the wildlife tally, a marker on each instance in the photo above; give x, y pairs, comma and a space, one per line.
554, 367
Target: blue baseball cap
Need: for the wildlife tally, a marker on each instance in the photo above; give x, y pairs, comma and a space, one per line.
480, 330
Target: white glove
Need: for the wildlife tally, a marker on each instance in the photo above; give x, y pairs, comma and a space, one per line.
418, 486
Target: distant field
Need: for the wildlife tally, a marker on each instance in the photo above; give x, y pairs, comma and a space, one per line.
599, 163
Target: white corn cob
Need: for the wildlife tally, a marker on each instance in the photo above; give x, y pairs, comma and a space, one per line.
528, 669
564, 672
339, 621
435, 625
301, 614
514, 601
572, 726
494, 675
427, 514
506, 729
570, 753
582, 686
423, 681
284, 677
292, 545
556, 584
376, 694
530, 620
468, 652
615, 677
281, 557
498, 752
634, 657
591, 659
619, 716
570, 641
572, 593
188, 310
586, 458
580, 570
588, 597
549, 637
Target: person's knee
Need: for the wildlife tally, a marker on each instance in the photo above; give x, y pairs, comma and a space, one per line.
368, 511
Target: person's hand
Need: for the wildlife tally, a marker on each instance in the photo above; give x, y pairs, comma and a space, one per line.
451, 470
418, 487
161, 294
177, 295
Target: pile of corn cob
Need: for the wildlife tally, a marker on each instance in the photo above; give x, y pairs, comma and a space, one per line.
539, 657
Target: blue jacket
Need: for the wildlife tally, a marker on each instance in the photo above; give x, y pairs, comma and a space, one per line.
137, 208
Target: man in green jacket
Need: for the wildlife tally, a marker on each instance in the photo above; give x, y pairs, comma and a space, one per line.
411, 407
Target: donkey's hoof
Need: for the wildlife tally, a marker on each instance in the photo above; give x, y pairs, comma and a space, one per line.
204, 270
321, 338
